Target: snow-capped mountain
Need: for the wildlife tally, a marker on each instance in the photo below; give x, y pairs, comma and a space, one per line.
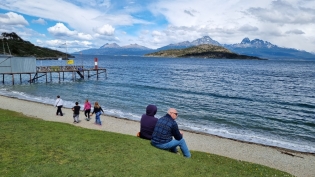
112, 45
265, 49
256, 47
205, 40
135, 46
185, 44
115, 49
256, 43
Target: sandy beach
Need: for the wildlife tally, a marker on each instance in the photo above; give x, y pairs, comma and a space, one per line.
295, 163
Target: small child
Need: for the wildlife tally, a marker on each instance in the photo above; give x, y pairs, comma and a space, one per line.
76, 112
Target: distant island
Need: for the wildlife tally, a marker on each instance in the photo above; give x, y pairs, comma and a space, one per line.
20, 48
202, 51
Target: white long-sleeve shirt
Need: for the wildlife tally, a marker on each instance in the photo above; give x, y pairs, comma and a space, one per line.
58, 102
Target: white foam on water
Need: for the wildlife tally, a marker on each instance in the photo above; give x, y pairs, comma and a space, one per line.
121, 114
38, 99
247, 137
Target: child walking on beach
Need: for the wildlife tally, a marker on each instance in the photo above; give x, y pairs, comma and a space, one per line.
76, 112
87, 110
98, 111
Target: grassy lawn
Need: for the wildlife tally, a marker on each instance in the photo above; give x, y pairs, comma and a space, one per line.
32, 147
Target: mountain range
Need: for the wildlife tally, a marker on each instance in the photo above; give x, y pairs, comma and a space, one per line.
256, 47
115, 49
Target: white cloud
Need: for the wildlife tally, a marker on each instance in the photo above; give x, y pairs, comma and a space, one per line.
248, 28
106, 30
283, 12
12, 18
39, 21
62, 45
295, 31
61, 30
85, 36
231, 21
157, 33
277, 21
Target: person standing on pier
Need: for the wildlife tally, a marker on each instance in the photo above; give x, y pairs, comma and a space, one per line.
58, 104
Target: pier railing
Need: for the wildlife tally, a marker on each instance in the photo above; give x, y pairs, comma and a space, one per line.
59, 68
48, 70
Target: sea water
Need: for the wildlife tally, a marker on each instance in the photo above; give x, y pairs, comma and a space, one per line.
269, 102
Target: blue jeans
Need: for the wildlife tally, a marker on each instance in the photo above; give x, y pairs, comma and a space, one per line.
172, 146
98, 118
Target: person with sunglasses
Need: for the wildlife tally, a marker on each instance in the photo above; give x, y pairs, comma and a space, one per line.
165, 129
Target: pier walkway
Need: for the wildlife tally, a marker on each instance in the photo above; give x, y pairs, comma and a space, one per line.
42, 71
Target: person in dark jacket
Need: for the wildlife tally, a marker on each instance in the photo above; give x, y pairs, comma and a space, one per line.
147, 122
76, 112
165, 129
98, 111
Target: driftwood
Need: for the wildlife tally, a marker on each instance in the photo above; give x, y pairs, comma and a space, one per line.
290, 154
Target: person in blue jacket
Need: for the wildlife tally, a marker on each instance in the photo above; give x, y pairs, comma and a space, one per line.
165, 129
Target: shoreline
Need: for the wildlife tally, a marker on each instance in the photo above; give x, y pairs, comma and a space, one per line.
297, 163
281, 149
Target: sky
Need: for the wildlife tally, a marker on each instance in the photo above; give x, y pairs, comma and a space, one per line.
75, 25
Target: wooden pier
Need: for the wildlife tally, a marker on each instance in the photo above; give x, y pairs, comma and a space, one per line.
44, 71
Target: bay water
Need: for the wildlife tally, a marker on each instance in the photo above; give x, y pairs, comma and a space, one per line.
269, 102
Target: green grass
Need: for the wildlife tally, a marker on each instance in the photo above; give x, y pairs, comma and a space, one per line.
32, 147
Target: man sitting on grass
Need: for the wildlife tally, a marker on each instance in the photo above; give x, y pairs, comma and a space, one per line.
165, 129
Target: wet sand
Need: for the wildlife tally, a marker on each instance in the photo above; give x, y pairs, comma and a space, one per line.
295, 163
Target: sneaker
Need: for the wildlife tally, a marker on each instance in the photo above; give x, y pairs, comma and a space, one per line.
74, 122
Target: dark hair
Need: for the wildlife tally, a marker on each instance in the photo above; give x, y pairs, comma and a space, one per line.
58, 96
76, 103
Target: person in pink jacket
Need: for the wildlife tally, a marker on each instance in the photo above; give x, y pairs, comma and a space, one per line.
87, 110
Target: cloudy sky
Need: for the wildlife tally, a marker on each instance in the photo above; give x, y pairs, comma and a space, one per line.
84, 24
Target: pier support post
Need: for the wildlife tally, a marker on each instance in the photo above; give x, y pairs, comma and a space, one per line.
12, 79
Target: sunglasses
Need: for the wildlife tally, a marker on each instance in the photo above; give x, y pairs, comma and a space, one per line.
175, 113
